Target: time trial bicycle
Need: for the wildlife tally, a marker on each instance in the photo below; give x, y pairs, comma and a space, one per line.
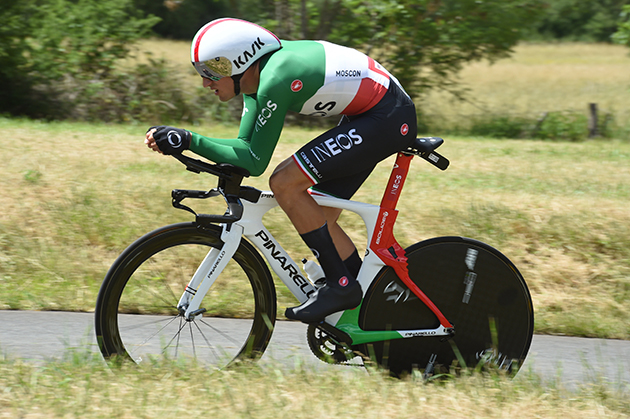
439, 303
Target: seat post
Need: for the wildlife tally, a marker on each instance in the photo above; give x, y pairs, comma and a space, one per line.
396, 181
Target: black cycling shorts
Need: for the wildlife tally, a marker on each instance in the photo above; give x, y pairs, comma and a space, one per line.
340, 160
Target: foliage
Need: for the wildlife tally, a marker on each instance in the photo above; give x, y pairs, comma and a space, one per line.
557, 126
148, 92
423, 43
182, 19
579, 20
502, 126
57, 48
80, 385
622, 36
571, 126
15, 26
426, 43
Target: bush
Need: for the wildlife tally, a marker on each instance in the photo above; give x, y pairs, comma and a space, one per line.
501, 127
564, 126
571, 126
49, 46
148, 93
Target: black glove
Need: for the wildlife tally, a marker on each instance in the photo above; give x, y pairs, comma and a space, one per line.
171, 140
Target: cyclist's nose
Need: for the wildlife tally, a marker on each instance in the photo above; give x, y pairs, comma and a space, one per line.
206, 82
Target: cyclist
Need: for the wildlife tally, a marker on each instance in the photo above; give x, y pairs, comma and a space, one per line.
315, 78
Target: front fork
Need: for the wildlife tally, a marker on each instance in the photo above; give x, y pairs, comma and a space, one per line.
216, 260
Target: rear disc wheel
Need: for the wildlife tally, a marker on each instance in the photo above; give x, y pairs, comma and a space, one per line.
478, 290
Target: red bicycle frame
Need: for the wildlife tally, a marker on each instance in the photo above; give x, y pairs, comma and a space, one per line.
383, 242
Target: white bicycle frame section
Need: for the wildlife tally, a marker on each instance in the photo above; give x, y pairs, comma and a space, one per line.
251, 226
378, 220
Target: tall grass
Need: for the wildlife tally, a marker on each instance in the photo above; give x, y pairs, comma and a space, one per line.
539, 78
75, 195
80, 386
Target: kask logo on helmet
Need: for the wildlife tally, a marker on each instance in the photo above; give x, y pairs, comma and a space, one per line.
246, 55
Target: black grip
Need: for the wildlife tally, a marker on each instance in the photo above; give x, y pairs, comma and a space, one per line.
233, 213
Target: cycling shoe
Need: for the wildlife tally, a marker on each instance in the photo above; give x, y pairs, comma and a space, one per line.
325, 301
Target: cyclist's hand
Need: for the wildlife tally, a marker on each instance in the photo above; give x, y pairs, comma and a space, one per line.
167, 140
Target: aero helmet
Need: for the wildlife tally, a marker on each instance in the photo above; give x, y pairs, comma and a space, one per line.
227, 47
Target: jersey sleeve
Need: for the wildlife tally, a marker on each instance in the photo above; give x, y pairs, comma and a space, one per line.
261, 125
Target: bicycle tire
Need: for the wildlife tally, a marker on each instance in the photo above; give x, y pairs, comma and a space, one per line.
493, 325
136, 314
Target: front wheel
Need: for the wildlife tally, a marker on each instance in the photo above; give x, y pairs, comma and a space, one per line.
136, 311
477, 289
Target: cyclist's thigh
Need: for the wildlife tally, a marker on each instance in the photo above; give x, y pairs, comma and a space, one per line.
340, 160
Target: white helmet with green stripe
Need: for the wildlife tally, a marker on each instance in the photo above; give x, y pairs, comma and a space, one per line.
227, 47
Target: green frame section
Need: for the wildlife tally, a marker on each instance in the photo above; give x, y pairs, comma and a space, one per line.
349, 323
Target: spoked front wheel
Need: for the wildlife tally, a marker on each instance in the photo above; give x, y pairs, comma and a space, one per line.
477, 289
136, 311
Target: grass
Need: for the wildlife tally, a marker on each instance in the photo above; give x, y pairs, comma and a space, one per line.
81, 386
75, 195
541, 78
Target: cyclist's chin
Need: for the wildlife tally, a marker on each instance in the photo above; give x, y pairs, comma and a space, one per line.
224, 96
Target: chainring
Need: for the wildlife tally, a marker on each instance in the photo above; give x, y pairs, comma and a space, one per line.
325, 347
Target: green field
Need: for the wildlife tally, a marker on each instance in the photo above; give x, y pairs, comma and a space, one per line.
542, 78
75, 195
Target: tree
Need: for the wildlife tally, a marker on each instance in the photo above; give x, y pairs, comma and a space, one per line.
622, 36
579, 20
14, 31
425, 43
58, 47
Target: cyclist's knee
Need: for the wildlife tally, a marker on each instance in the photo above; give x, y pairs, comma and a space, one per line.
288, 179
278, 182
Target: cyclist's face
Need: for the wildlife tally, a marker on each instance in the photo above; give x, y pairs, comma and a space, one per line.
224, 87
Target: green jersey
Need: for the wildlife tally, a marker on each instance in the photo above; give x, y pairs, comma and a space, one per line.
314, 78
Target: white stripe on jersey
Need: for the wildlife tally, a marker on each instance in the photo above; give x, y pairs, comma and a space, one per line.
345, 69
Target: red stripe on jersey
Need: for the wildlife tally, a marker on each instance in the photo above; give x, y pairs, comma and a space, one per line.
368, 95
372, 66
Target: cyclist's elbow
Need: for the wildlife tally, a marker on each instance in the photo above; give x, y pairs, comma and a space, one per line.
257, 168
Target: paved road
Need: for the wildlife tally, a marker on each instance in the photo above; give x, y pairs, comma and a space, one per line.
39, 336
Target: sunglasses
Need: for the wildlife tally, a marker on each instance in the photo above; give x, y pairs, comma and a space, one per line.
214, 69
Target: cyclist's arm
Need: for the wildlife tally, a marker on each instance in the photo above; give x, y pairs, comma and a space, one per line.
259, 132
